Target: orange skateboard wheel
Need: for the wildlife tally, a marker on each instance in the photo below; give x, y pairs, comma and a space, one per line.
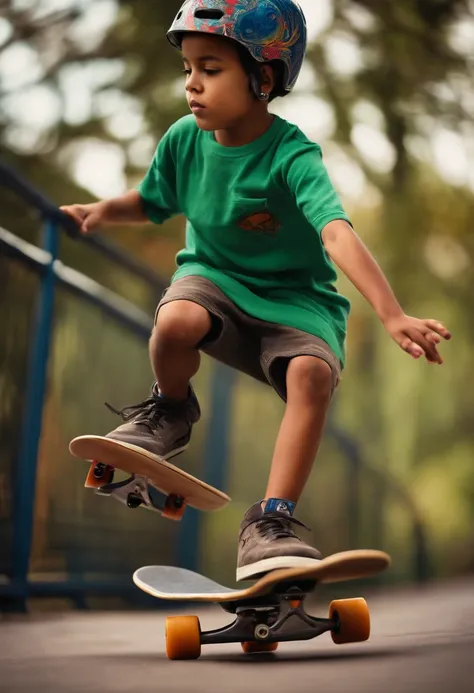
353, 620
174, 507
183, 637
254, 647
99, 475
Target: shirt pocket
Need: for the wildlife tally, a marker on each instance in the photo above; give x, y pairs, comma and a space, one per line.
254, 216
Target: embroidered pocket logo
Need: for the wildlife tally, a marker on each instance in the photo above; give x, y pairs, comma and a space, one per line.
261, 222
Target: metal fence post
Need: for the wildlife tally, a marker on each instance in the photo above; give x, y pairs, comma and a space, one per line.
25, 479
349, 448
216, 461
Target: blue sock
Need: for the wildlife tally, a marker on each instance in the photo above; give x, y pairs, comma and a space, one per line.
161, 395
279, 505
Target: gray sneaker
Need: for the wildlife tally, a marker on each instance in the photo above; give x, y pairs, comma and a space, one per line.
267, 542
159, 425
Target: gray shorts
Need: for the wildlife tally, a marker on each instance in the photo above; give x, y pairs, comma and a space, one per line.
260, 349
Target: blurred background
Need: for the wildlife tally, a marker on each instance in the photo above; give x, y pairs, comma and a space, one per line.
87, 88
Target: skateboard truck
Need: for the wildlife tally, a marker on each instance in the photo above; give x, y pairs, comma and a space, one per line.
282, 619
136, 491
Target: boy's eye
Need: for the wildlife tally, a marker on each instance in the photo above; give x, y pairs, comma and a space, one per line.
188, 71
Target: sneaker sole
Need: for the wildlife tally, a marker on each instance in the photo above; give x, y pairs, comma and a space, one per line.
152, 455
254, 570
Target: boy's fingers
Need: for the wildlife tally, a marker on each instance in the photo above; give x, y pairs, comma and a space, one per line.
433, 337
429, 349
411, 348
79, 215
73, 213
438, 327
89, 223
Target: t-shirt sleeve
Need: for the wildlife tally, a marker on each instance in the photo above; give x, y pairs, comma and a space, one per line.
307, 178
158, 188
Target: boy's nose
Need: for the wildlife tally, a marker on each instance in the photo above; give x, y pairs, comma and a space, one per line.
193, 84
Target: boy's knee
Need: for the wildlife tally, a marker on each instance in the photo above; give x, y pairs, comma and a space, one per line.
310, 375
181, 323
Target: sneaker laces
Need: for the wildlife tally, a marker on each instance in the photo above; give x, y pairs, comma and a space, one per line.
276, 526
150, 412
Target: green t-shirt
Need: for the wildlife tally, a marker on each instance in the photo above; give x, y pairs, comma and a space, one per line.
255, 216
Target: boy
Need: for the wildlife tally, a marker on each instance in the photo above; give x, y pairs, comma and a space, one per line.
255, 283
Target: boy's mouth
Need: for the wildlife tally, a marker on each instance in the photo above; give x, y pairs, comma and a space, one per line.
196, 106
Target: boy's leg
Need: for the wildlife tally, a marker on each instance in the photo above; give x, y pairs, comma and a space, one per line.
175, 358
162, 424
309, 390
305, 375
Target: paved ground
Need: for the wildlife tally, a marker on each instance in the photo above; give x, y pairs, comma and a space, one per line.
422, 640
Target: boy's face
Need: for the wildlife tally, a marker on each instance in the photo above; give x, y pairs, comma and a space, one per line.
217, 85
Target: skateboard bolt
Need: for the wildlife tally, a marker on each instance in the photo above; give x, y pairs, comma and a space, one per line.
262, 632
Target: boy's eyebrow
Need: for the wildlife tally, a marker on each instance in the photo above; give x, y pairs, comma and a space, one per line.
202, 58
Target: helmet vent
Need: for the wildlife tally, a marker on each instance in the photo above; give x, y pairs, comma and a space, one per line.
209, 14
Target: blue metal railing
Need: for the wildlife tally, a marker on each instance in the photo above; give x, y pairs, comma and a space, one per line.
31, 425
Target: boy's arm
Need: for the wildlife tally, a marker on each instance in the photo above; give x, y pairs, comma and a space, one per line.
155, 199
417, 337
127, 208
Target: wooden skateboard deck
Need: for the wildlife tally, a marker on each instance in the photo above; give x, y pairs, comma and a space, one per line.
179, 487
179, 584
269, 611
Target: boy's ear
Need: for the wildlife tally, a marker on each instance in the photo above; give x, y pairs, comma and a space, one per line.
268, 77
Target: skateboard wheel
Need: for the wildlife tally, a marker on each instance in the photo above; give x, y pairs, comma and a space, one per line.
174, 507
183, 637
134, 500
99, 475
352, 618
252, 647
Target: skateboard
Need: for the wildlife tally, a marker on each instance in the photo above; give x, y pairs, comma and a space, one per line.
154, 483
268, 612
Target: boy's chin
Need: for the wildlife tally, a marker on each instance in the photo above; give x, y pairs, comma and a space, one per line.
205, 125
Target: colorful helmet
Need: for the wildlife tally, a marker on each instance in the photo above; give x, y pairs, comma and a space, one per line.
268, 29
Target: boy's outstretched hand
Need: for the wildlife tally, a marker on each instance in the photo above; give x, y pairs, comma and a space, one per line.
87, 217
418, 337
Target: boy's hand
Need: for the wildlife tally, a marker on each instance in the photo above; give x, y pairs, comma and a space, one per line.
418, 337
87, 217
